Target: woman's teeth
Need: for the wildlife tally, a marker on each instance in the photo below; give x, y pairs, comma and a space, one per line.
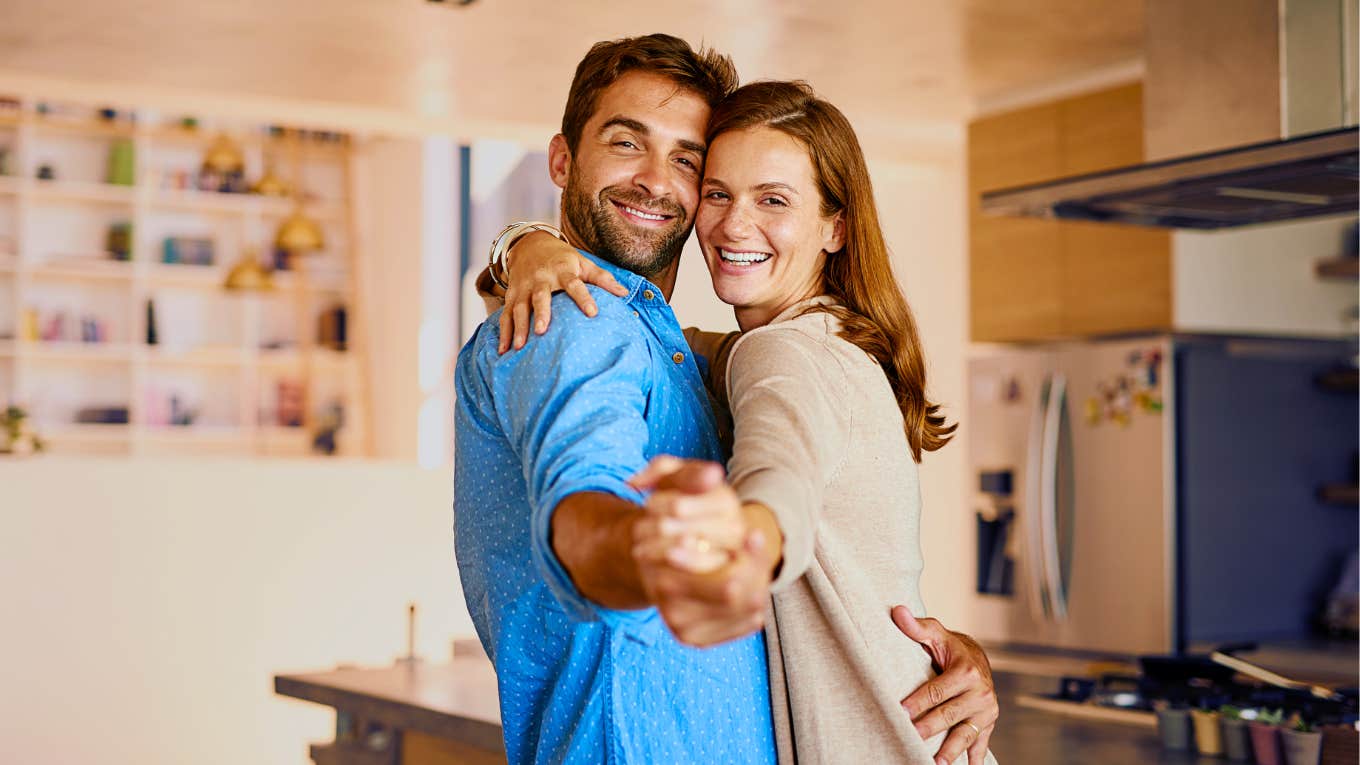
743, 257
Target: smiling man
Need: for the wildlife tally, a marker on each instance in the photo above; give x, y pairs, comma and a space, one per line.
547, 439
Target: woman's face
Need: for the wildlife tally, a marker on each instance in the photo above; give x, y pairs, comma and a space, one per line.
760, 223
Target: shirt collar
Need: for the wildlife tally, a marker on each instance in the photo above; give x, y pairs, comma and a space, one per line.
633, 282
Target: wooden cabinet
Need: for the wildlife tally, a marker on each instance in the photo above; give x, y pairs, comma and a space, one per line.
1036, 279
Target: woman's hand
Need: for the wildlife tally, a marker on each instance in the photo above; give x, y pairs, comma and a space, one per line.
541, 265
694, 520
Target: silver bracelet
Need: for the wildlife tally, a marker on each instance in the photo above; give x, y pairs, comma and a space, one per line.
500, 247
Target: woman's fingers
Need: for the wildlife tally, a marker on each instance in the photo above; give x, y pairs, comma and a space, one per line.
542, 300
661, 466
519, 315
577, 291
507, 325
601, 278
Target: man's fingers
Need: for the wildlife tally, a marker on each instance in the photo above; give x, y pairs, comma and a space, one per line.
955, 744
977, 753
688, 556
935, 692
940, 719
578, 292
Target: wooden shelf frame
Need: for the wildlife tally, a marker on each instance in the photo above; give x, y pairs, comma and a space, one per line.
26, 272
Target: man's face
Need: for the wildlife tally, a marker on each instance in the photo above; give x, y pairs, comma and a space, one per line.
631, 188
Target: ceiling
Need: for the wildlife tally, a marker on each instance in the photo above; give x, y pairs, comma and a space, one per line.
885, 62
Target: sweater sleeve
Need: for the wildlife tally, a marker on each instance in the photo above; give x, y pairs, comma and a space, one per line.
788, 398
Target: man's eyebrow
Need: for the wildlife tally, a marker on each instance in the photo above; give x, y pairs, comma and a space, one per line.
627, 122
641, 129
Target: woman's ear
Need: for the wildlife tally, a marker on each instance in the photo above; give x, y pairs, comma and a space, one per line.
559, 160
835, 234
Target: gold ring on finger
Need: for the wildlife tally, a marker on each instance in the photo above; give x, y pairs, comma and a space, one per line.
977, 733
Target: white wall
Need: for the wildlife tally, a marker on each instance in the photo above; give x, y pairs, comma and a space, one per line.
1260, 279
147, 604
922, 207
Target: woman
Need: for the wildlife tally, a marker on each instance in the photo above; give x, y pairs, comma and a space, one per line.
826, 388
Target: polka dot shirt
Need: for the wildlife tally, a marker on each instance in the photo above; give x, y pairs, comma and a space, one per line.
582, 408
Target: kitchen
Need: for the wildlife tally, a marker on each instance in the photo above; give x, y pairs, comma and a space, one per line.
1214, 391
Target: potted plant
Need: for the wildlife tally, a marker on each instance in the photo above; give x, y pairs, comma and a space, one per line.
1173, 725
1208, 738
1302, 742
1265, 737
1236, 739
16, 437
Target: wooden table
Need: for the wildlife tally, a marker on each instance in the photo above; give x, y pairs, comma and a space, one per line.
406, 714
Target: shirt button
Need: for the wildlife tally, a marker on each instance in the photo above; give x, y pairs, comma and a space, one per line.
678, 358
635, 313
648, 294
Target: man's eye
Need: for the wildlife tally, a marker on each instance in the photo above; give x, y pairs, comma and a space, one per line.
687, 162
626, 144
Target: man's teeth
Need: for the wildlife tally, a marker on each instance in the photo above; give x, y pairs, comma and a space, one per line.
643, 215
743, 257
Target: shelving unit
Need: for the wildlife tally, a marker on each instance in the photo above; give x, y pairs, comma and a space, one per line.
221, 357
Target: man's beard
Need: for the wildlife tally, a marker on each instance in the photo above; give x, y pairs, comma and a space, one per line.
645, 252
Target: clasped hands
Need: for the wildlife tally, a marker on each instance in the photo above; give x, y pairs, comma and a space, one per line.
702, 563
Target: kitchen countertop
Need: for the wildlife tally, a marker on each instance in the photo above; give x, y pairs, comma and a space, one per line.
1033, 737
457, 701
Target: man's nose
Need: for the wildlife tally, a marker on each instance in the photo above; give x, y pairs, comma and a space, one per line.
654, 177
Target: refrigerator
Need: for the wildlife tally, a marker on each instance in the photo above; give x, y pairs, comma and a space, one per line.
1143, 494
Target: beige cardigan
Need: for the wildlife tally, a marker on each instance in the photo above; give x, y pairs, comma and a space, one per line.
819, 440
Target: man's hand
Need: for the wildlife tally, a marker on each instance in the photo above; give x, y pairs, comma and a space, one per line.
961, 700
704, 609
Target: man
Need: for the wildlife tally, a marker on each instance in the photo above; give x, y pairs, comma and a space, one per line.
548, 437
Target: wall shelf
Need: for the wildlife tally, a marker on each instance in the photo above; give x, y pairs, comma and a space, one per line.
210, 354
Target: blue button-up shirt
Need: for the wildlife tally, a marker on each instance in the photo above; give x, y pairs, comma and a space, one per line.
582, 408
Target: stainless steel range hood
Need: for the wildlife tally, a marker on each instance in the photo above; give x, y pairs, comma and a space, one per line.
1249, 114
1301, 177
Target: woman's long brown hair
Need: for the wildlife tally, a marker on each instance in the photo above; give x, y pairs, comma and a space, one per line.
873, 312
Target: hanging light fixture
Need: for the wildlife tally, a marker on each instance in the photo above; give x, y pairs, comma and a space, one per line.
249, 275
299, 234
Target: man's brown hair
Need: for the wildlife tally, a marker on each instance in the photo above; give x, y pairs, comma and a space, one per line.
706, 72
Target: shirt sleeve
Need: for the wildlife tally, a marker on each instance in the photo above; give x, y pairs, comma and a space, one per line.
572, 404
792, 427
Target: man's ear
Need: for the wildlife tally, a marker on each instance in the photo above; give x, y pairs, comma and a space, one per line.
835, 237
559, 160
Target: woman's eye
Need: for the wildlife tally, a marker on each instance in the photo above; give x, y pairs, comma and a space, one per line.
775, 201
716, 196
